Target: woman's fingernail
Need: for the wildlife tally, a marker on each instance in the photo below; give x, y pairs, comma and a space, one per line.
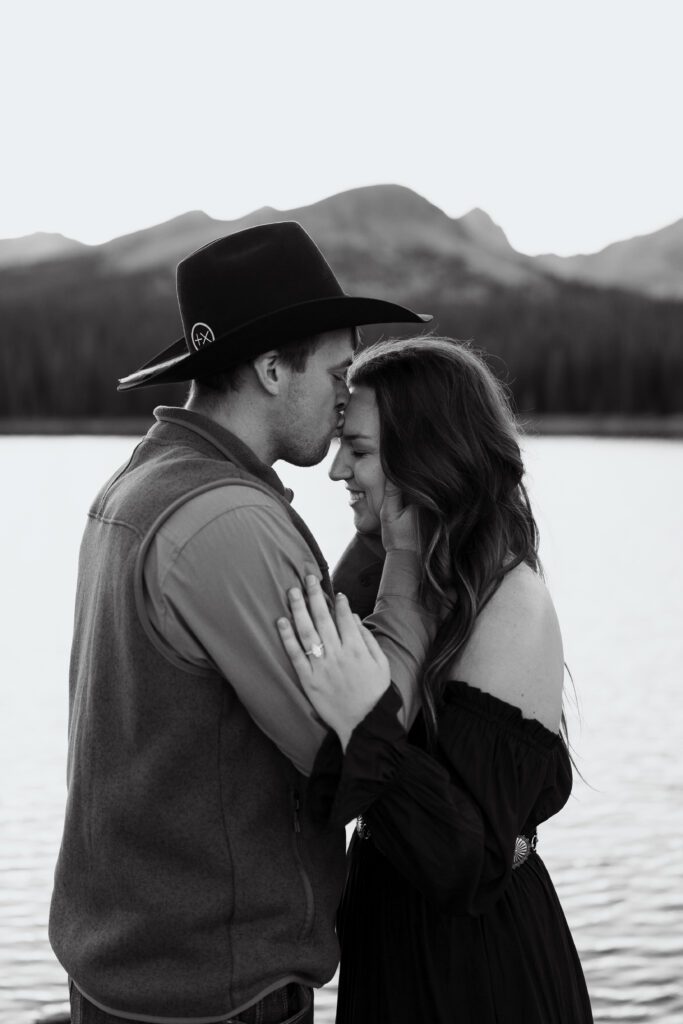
341, 597
282, 623
295, 593
311, 580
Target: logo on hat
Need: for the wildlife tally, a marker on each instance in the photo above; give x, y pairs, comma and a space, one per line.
201, 335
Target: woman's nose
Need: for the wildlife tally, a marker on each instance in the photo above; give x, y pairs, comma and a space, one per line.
339, 470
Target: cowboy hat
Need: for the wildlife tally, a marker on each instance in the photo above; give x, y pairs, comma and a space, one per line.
258, 289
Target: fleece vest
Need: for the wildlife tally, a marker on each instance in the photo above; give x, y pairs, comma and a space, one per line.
191, 877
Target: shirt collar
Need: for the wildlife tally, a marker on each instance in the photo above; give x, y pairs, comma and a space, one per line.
225, 441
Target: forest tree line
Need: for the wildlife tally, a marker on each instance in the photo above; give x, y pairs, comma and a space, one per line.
572, 349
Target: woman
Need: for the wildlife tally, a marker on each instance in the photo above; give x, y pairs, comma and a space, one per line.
449, 913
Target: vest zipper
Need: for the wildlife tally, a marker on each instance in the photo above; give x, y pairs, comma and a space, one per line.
305, 880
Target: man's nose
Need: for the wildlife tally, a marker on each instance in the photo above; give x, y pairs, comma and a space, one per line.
339, 470
343, 396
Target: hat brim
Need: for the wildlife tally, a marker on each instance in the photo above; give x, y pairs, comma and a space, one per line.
273, 330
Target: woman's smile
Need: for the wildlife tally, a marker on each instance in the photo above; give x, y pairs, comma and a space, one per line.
354, 496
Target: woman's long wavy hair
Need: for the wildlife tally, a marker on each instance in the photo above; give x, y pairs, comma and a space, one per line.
448, 440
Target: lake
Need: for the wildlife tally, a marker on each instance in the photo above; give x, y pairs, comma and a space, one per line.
611, 520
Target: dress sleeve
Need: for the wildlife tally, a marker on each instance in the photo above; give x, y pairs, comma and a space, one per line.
383, 589
448, 822
359, 571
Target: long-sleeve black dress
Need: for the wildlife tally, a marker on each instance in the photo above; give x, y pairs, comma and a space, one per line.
436, 925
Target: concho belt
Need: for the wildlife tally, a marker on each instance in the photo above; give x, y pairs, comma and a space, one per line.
523, 844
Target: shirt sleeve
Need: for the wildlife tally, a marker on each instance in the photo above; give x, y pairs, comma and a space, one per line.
214, 593
215, 581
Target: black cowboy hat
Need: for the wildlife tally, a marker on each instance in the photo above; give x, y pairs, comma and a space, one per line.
257, 289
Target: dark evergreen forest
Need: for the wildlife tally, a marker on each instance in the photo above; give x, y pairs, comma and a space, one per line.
568, 349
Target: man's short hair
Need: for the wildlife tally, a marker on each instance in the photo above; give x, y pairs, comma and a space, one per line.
294, 355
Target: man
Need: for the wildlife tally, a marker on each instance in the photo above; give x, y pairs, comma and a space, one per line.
193, 883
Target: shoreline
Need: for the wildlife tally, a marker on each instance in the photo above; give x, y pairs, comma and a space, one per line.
560, 425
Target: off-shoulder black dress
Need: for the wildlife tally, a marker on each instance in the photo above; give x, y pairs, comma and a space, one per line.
436, 926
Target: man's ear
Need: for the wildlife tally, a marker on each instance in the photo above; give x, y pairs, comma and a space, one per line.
269, 371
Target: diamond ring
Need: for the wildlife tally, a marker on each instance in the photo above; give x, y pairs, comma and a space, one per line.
316, 651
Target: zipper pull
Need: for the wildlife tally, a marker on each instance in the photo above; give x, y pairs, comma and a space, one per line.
297, 808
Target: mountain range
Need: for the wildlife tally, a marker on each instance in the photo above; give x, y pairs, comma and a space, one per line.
588, 335
385, 223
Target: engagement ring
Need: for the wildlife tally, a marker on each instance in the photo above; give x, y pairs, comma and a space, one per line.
316, 651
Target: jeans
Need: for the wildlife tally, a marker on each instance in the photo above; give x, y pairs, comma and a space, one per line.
292, 1004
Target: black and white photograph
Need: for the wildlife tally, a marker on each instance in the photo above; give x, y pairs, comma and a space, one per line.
341, 438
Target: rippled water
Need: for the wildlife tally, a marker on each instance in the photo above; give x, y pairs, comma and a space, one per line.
612, 526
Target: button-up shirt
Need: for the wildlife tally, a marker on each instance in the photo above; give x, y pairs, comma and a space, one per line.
216, 577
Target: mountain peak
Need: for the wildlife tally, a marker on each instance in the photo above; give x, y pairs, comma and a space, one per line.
36, 248
383, 200
191, 217
651, 263
483, 229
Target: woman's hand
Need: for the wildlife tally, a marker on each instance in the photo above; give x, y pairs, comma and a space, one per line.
341, 667
399, 521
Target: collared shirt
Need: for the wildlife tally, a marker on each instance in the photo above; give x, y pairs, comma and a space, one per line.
216, 577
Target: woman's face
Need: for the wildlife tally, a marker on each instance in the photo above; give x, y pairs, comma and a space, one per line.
357, 461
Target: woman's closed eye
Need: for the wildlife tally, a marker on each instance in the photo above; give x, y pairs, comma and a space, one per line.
352, 451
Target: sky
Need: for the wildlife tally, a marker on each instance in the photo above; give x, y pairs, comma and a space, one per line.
559, 118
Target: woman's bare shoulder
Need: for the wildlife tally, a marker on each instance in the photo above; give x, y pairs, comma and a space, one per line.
515, 651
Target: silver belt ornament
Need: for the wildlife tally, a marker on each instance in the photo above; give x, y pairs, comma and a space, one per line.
524, 847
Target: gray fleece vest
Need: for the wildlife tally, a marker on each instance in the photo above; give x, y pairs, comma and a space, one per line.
191, 878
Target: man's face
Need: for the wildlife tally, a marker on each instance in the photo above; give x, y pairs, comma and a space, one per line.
357, 462
315, 400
